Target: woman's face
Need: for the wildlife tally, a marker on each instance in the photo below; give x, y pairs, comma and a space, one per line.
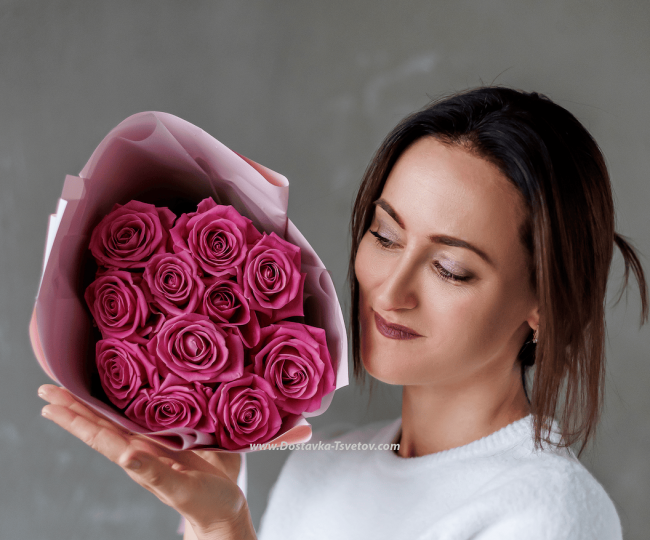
443, 258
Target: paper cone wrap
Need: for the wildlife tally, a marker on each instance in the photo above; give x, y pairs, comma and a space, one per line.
153, 157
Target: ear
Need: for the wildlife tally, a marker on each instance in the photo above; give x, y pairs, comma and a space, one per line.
533, 318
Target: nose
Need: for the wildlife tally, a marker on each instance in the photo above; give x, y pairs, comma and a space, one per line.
398, 289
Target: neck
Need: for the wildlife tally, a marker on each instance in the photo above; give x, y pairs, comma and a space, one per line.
439, 418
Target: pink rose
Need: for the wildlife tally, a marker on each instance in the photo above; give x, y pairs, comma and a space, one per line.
172, 282
192, 347
129, 235
293, 358
123, 369
172, 404
224, 302
272, 279
243, 413
218, 237
118, 306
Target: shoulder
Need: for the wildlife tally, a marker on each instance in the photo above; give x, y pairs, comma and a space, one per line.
520, 492
551, 490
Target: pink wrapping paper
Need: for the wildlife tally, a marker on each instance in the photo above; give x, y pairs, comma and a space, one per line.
149, 156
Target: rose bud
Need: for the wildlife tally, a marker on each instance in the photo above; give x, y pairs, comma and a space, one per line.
272, 279
217, 236
293, 358
192, 347
172, 404
172, 282
118, 306
129, 235
244, 413
224, 302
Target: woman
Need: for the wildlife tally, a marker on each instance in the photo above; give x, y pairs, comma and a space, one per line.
482, 237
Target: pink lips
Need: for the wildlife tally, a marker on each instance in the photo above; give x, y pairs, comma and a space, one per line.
394, 331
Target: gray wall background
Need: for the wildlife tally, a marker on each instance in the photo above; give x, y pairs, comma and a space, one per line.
308, 88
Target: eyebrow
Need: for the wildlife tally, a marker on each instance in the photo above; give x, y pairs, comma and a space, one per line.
435, 238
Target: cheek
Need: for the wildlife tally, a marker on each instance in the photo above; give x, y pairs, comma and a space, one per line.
372, 266
482, 329
366, 267
465, 329
367, 274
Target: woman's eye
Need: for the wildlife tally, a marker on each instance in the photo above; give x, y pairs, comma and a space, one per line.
446, 274
381, 240
441, 271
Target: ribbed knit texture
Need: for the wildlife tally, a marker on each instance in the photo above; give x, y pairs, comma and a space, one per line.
496, 488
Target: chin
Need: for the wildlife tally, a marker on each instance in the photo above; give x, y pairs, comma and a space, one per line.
380, 369
375, 358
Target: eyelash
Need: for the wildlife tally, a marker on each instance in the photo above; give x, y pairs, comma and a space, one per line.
385, 243
382, 241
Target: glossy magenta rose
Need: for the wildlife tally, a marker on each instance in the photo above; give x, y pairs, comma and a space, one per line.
171, 404
171, 282
192, 347
224, 302
118, 306
129, 235
123, 369
293, 358
243, 413
217, 236
272, 279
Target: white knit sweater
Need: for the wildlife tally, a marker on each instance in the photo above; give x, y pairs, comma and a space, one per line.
496, 488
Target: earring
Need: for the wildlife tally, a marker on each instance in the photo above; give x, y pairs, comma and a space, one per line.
535, 334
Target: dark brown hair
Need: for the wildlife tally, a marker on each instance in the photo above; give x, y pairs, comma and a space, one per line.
569, 234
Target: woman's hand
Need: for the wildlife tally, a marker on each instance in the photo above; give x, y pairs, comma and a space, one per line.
200, 485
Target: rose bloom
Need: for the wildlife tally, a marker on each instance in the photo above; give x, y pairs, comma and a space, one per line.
129, 235
192, 347
118, 306
217, 236
272, 279
172, 282
123, 368
243, 412
293, 358
172, 404
224, 302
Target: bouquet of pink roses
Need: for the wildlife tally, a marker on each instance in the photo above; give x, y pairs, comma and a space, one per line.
193, 323
219, 327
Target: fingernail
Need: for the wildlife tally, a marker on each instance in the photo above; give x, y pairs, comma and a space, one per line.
134, 464
41, 392
45, 413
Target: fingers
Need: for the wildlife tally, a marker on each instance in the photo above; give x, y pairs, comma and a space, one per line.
136, 456
106, 440
204, 490
60, 396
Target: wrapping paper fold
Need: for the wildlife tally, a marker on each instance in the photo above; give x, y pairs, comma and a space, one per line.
154, 157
